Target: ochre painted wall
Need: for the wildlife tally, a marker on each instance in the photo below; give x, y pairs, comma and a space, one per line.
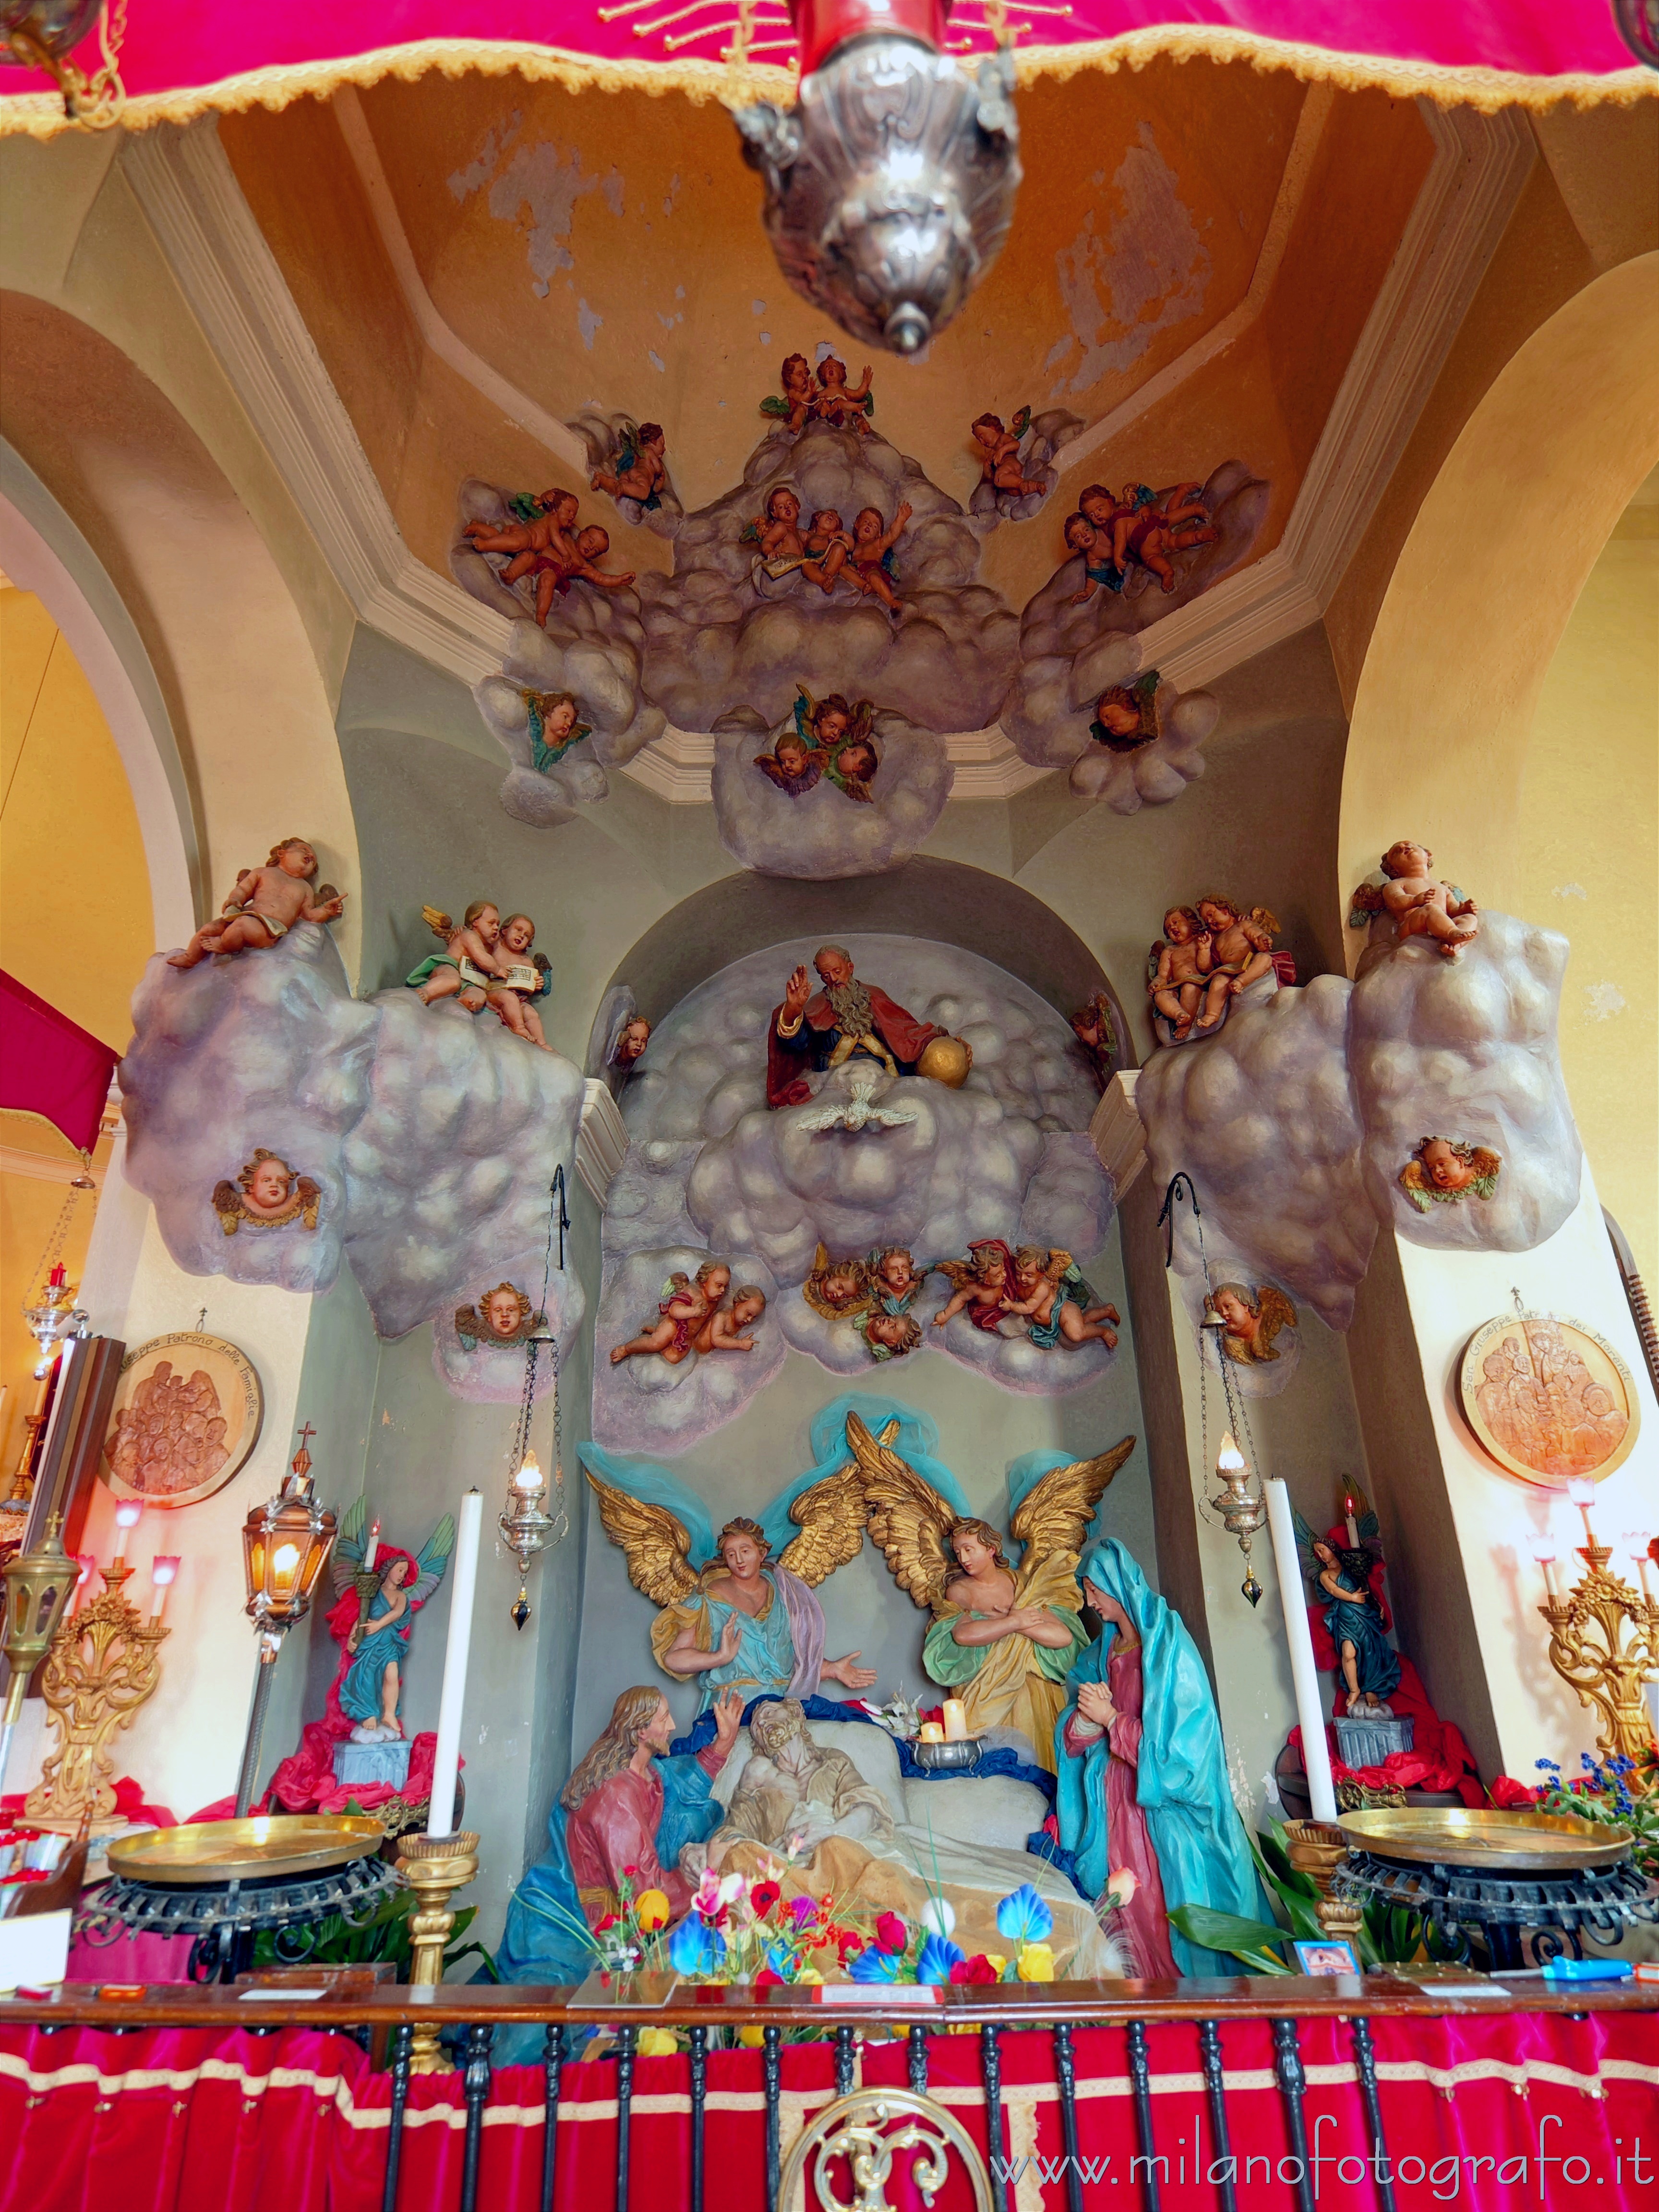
1588, 861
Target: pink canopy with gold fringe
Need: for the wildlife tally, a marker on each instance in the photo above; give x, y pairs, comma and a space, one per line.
179, 57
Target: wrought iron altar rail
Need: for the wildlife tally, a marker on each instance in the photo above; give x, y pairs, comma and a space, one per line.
474, 2012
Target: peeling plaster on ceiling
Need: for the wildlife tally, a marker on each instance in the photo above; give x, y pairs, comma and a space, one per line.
1152, 267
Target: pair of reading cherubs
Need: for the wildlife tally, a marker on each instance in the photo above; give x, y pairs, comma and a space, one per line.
487, 962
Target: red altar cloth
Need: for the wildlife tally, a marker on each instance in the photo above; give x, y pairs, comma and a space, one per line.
191, 54
193, 2120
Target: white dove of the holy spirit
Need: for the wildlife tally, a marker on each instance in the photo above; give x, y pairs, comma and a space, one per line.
855, 1105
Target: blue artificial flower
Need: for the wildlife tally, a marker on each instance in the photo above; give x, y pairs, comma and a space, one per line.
1023, 1917
937, 1957
694, 1948
1547, 1766
875, 1964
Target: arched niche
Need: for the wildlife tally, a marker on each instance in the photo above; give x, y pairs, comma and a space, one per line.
943, 901
1485, 582
195, 590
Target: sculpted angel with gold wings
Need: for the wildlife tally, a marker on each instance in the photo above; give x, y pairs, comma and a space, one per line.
1004, 1637
736, 1612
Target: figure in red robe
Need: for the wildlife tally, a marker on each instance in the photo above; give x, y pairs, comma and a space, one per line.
825, 1028
614, 1803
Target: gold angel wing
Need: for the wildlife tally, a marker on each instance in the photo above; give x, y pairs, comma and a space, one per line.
907, 1517
1277, 1313
1056, 1514
438, 921
655, 1543
830, 1518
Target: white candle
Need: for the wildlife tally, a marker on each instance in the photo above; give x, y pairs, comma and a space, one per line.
371, 1547
1304, 1675
1353, 1525
955, 1721
446, 1759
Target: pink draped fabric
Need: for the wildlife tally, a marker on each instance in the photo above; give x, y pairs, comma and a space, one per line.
196, 42
51, 1065
210, 2121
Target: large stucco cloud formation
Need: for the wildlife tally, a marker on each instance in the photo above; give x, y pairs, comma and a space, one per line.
1051, 716
431, 1135
823, 834
1296, 1121
1262, 1118
717, 640
1466, 1049
711, 1171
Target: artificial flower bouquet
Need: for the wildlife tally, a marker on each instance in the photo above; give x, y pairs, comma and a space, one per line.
1614, 1791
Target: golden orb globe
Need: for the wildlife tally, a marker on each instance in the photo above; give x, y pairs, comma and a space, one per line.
947, 1059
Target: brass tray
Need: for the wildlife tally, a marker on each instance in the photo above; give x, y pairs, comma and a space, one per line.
206, 1853
1482, 1838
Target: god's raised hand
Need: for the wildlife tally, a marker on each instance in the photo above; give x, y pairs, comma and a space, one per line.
797, 991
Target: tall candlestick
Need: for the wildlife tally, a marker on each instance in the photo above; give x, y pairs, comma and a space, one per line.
1304, 1675
128, 1513
446, 1758
372, 1548
163, 1572
1352, 1524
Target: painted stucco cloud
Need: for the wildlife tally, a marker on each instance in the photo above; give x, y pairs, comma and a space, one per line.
721, 636
823, 833
713, 1172
1467, 1049
432, 1135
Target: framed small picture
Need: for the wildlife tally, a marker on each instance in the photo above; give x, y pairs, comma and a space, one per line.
1329, 1955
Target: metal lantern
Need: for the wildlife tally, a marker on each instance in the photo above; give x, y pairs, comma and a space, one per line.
285, 1547
890, 183
38, 1586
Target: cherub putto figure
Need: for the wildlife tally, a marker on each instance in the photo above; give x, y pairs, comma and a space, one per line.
1417, 903
1049, 1294
523, 976
545, 543
794, 765
1441, 1171
1247, 1321
794, 408
264, 905
999, 451
831, 737
505, 1315
1126, 715
467, 967
640, 471
693, 1317
267, 1194
840, 1290
1207, 956
979, 1285
555, 726
1096, 1032
846, 407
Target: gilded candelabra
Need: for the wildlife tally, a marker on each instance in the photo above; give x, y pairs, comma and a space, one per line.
1604, 1644
434, 1866
104, 1663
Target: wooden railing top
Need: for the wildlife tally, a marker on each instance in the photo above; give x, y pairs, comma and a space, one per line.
1012, 2005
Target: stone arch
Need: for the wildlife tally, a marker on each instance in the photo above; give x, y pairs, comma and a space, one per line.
1488, 576
236, 671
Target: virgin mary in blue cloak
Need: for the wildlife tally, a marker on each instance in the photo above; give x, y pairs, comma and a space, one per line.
1181, 1800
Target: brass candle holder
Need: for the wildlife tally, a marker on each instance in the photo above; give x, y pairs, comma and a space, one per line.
434, 1866
1316, 1849
1604, 1644
104, 1664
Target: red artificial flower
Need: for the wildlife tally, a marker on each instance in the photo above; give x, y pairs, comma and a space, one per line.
766, 1979
609, 1921
1508, 1795
976, 1969
891, 1934
630, 1870
763, 1896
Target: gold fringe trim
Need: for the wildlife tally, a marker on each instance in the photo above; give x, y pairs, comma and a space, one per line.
40, 115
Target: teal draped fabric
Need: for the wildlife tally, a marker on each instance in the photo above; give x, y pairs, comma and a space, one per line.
1203, 1854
